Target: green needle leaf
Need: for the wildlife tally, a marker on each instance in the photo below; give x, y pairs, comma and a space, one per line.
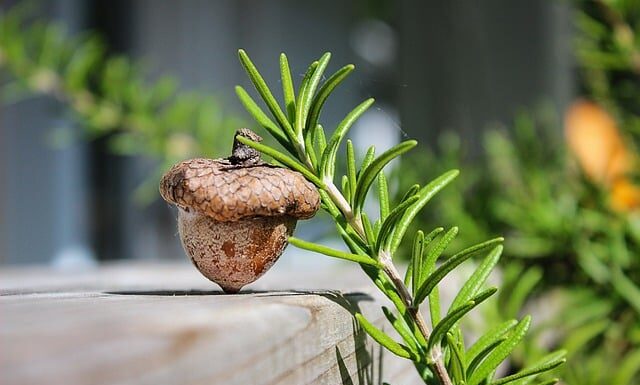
371, 172
376, 226
441, 329
434, 305
427, 266
267, 96
449, 265
324, 92
368, 229
300, 106
425, 194
385, 340
429, 261
346, 188
402, 328
387, 226
489, 338
413, 190
328, 162
310, 89
432, 235
351, 169
416, 259
355, 236
500, 353
287, 88
368, 158
457, 363
282, 158
310, 150
477, 359
332, 252
383, 196
320, 139
478, 278
549, 382
418, 263
262, 118
545, 364
352, 242
408, 276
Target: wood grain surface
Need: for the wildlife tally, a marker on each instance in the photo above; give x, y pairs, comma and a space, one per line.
165, 324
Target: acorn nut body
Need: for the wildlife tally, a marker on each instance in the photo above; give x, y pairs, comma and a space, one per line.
235, 214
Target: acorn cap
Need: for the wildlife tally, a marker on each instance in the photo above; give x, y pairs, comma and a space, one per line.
238, 187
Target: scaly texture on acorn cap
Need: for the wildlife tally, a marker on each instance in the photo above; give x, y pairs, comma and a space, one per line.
238, 187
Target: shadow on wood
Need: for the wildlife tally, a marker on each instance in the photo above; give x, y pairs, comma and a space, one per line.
363, 352
335, 296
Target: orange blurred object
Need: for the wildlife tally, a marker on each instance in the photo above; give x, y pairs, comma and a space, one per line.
594, 139
625, 196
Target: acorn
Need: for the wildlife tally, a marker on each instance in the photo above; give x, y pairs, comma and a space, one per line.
235, 214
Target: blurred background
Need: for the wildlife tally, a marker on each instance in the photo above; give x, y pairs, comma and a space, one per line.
432, 66
537, 102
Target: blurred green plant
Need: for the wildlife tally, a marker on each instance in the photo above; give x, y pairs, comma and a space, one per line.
570, 250
565, 244
107, 95
439, 353
608, 52
563, 236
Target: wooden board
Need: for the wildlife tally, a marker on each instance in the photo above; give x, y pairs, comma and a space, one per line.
165, 324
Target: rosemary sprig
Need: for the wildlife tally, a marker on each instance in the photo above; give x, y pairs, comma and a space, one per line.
439, 352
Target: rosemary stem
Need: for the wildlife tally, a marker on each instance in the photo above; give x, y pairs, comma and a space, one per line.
393, 274
436, 353
343, 205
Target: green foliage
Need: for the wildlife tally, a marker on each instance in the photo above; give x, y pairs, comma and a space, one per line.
108, 95
439, 355
608, 51
567, 248
564, 242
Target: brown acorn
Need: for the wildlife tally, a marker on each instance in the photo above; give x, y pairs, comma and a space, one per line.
235, 214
